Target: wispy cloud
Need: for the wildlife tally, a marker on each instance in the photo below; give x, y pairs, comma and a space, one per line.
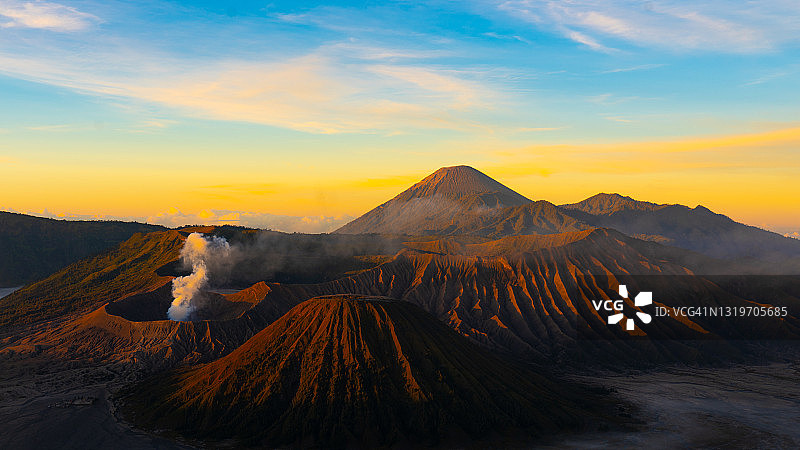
613, 99
44, 15
455, 92
704, 25
767, 78
301, 224
328, 90
634, 68
57, 128
538, 129
588, 41
225, 191
766, 150
507, 37
157, 123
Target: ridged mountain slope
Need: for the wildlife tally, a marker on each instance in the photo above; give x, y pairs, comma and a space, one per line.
698, 229
348, 370
526, 295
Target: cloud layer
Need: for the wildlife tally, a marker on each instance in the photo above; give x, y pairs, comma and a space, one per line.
305, 224
175, 218
334, 88
43, 15
715, 25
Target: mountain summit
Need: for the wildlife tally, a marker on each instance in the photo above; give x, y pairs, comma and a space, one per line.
611, 203
439, 204
463, 183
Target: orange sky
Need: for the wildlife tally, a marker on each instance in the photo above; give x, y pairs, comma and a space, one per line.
752, 178
318, 112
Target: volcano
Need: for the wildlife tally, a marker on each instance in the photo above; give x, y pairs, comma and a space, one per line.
352, 367
442, 203
352, 370
466, 185
460, 200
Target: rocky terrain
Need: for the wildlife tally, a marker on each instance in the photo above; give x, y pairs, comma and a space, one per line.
512, 282
366, 371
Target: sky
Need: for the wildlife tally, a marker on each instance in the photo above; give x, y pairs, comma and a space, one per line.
300, 117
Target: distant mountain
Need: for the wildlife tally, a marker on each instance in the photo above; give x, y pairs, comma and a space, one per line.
697, 229
463, 201
439, 204
359, 371
32, 248
611, 203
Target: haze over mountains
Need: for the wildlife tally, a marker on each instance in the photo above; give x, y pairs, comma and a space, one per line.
391, 353
476, 209
460, 200
523, 295
452, 201
697, 228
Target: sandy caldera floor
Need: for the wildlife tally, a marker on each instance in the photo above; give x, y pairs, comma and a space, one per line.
738, 407
65, 405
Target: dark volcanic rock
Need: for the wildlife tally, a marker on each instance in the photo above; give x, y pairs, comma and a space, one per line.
344, 370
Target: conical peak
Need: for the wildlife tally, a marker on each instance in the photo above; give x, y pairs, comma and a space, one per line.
456, 182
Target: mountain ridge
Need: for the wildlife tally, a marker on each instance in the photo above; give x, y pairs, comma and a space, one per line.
699, 229
35, 247
442, 204
369, 371
603, 203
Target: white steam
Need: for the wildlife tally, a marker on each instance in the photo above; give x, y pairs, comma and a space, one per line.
187, 291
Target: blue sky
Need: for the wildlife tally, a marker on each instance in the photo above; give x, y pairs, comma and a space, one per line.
307, 98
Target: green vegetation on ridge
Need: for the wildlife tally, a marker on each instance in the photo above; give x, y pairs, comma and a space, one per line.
90, 283
32, 248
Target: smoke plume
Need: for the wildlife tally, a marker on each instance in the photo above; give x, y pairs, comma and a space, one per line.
199, 253
250, 257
